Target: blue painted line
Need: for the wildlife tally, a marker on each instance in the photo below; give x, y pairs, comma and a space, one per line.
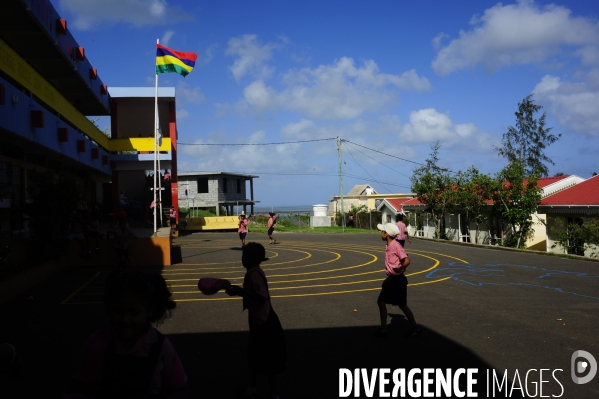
461, 272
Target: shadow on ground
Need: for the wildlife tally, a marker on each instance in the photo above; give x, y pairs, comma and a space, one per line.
216, 364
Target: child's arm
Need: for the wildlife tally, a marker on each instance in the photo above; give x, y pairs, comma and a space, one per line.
236, 290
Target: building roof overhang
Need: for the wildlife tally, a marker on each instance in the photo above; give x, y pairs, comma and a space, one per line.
31, 33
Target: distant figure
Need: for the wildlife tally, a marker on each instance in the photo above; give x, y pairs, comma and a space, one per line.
130, 359
271, 227
76, 232
172, 214
403, 230
92, 230
242, 228
167, 176
395, 287
351, 221
123, 200
267, 348
122, 240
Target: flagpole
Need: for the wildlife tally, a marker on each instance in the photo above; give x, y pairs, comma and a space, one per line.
155, 149
159, 169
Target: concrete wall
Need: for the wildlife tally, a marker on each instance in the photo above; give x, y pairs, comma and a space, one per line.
135, 117
215, 193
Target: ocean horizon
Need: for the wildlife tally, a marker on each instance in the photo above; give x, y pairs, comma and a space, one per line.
283, 209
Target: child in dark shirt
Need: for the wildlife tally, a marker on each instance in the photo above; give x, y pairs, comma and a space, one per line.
267, 349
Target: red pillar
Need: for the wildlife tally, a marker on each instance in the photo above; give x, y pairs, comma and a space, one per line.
172, 130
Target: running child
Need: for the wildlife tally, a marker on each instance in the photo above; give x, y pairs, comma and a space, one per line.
403, 230
267, 349
271, 227
130, 358
395, 287
242, 228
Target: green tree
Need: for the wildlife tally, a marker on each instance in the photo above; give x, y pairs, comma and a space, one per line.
516, 200
434, 187
526, 143
578, 236
474, 192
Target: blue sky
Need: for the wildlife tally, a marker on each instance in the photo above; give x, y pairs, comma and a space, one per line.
394, 76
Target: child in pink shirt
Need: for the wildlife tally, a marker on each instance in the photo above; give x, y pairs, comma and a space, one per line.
394, 289
403, 231
271, 227
242, 228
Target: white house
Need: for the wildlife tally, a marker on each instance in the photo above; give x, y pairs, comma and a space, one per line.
570, 204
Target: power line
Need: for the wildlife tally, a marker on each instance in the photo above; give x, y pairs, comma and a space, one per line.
403, 159
375, 180
387, 166
306, 174
248, 144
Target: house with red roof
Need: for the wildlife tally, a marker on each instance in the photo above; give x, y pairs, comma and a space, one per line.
455, 226
570, 205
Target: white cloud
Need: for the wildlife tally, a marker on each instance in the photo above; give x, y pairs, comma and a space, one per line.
182, 113
167, 37
429, 125
338, 91
518, 34
208, 55
247, 159
188, 94
251, 57
573, 105
90, 14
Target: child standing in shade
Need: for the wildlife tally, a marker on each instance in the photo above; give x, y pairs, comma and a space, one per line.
271, 227
122, 239
395, 287
403, 230
130, 359
267, 348
242, 228
172, 214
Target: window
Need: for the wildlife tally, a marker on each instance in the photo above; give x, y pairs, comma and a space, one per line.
238, 186
203, 185
225, 182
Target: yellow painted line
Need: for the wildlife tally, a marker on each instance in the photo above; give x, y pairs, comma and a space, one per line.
268, 267
309, 255
304, 295
79, 289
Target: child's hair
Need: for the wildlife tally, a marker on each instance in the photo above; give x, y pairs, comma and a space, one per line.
399, 217
150, 287
253, 254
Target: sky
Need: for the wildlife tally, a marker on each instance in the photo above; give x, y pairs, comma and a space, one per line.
389, 77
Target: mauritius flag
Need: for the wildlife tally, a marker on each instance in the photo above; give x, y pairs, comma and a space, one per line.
168, 60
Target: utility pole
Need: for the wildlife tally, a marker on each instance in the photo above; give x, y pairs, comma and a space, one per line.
341, 182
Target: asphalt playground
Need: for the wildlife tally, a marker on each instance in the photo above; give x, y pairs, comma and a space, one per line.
498, 311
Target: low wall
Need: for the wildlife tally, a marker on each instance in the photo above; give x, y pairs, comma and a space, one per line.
146, 250
209, 223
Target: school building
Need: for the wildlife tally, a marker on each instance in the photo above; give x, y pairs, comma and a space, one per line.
48, 92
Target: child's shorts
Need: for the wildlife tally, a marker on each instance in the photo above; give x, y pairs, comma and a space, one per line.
242, 236
395, 290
